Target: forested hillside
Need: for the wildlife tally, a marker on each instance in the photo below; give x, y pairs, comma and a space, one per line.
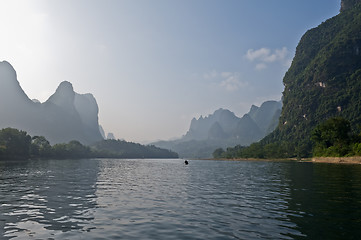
324, 81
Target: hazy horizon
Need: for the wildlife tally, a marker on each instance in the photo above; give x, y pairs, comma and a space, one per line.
154, 65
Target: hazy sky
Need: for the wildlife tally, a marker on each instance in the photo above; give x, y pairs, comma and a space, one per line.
153, 65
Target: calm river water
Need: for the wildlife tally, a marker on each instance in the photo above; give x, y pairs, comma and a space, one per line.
165, 199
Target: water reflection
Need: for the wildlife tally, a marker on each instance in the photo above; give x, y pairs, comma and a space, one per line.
326, 198
42, 198
239, 200
143, 199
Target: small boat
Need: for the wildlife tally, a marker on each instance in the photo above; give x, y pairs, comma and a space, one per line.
186, 162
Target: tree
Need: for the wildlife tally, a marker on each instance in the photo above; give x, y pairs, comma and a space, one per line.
332, 137
14, 144
40, 147
73, 150
218, 153
77, 150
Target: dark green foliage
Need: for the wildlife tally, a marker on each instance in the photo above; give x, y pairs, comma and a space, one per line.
347, 4
218, 153
40, 147
14, 144
123, 149
333, 138
356, 149
73, 149
258, 150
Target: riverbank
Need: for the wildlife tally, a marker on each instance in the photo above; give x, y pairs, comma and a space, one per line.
260, 159
335, 160
338, 160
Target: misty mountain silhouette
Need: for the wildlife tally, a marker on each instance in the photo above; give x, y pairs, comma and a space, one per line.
65, 116
224, 124
223, 129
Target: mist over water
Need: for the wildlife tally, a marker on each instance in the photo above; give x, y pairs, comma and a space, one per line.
165, 199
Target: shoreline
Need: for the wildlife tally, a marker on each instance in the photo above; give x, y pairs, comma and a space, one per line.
259, 159
338, 160
333, 160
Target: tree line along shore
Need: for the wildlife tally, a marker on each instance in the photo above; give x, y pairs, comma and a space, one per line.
332, 141
17, 145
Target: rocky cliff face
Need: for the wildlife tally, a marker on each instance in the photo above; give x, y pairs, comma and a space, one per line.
324, 79
348, 4
65, 116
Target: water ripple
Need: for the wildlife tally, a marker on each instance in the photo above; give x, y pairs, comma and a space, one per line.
164, 199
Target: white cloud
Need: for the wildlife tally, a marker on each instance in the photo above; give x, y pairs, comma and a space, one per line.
258, 54
232, 84
230, 81
264, 56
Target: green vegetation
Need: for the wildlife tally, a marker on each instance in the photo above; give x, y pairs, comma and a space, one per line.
40, 147
16, 144
324, 81
347, 4
123, 149
257, 150
332, 138
73, 149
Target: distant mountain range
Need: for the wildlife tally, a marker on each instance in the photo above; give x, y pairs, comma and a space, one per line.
223, 129
65, 116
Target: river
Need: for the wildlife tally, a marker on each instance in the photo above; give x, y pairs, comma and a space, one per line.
166, 199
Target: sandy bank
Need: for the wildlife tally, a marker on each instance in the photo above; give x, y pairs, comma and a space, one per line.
336, 160
347, 160
261, 159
